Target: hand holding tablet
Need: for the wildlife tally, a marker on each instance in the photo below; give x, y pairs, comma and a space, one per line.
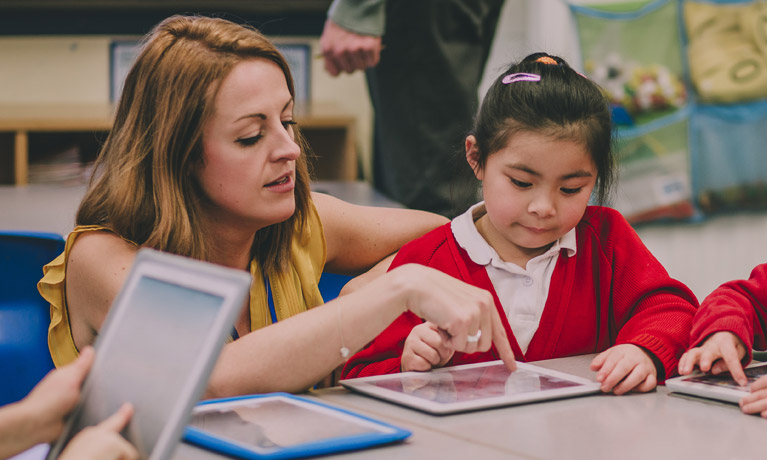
157, 348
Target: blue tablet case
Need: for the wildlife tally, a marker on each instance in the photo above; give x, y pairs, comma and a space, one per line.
216, 443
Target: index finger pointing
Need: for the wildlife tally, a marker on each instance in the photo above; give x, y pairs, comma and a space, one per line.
501, 342
731, 359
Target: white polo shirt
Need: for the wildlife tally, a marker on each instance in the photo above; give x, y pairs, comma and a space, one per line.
522, 290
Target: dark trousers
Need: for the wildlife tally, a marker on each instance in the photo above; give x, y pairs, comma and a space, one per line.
424, 95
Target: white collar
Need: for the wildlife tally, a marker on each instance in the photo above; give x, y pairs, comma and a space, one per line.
481, 253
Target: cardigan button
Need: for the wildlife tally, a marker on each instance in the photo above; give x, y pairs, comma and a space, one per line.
527, 281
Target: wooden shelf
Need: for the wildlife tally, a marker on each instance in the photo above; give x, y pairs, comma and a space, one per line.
330, 133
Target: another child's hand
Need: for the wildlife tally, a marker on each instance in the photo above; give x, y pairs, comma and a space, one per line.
625, 368
756, 402
103, 441
425, 348
57, 394
721, 352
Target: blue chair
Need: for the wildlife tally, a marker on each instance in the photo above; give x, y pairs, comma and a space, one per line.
24, 315
330, 285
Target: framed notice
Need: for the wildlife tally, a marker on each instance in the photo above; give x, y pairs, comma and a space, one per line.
122, 53
298, 56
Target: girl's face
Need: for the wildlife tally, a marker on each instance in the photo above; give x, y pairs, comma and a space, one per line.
249, 150
536, 189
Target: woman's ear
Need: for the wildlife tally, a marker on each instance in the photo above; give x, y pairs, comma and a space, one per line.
472, 155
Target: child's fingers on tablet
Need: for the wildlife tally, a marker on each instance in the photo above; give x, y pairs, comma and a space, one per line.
612, 372
734, 367
731, 360
609, 360
688, 361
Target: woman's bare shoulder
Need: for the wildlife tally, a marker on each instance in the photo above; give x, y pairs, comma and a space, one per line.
97, 266
99, 250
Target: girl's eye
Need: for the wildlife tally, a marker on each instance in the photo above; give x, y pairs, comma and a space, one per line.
571, 191
248, 141
521, 184
287, 124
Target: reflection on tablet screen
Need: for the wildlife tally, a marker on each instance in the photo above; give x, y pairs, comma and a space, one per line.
471, 384
272, 424
726, 381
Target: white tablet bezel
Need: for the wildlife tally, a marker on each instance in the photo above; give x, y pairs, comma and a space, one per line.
682, 384
366, 385
230, 284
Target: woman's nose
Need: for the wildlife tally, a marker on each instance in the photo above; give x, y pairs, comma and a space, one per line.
287, 148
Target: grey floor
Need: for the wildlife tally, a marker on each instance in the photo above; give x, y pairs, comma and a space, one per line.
702, 255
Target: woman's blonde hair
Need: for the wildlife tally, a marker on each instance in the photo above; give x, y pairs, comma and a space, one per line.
143, 187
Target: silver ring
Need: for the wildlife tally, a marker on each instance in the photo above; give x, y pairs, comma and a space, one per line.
474, 338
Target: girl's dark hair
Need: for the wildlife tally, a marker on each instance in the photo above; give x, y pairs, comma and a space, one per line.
563, 104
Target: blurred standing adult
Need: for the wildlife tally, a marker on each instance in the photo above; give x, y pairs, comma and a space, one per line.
424, 62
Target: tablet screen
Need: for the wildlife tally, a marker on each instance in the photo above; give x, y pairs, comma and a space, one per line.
470, 384
269, 424
151, 356
726, 380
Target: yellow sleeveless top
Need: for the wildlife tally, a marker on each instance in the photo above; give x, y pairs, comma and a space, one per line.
293, 291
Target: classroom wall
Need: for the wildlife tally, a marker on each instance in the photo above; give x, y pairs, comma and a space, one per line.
76, 70
53, 70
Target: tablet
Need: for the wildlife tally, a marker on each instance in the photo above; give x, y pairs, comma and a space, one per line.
283, 426
721, 387
472, 387
157, 348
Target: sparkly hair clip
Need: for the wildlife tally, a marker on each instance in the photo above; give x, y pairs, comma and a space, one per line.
515, 77
546, 60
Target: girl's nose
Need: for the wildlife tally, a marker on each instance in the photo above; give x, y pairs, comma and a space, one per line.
542, 205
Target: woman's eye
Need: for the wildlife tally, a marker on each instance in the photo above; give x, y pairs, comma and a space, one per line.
248, 141
520, 184
287, 124
571, 191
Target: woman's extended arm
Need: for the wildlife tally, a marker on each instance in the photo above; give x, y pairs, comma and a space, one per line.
358, 237
295, 353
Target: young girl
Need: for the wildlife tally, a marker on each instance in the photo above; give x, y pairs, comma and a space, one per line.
567, 278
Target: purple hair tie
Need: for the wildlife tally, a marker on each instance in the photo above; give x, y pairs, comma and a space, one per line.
515, 77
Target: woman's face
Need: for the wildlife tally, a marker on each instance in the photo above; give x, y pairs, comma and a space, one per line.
249, 154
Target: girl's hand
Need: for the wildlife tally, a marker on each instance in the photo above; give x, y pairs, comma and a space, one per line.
756, 402
103, 441
721, 352
625, 368
425, 349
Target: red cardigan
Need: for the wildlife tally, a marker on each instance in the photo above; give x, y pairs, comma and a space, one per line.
738, 306
611, 291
